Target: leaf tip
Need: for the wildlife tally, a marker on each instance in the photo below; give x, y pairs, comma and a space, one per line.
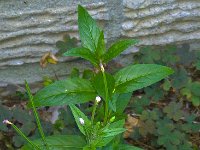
80, 8
170, 70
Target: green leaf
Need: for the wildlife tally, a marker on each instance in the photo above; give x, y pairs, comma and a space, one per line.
148, 121
196, 101
60, 142
5, 114
122, 102
74, 73
113, 145
47, 81
128, 147
139, 104
154, 92
166, 85
195, 88
71, 91
88, 74
36, 115
119, 102
174, 138
152, 115
19, 141
77, 113
168, 135
197, 65
83, 53
66, 44
112, 102
135, 77
98, 83
180, 78
117, 124
101, 45
148, 54
117, 48
148, 126
113, 131
186, 146
186, 92
88, 30
17, 113
165, 126
173, 111
106, 140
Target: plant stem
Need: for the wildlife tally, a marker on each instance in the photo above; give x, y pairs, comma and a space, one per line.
93, 111
36, 115
106, 92
24, 136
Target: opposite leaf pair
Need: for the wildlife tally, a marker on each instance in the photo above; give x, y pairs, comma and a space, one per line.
92, 38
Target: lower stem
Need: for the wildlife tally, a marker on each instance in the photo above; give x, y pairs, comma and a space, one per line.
93, 111
36, 116
106, 113
24, 136
106, 92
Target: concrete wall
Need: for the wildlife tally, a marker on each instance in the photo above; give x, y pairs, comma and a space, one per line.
29, 28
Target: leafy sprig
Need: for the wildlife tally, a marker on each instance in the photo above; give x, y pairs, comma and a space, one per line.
114, 89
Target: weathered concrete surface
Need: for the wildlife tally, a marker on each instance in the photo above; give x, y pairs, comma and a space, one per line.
34, 74
31, 29
158, 22
25, 35
28, 29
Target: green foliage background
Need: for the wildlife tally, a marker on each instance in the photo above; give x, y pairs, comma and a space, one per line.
169, 110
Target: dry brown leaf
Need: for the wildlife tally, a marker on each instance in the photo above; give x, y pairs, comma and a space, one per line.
48, 58
131, 122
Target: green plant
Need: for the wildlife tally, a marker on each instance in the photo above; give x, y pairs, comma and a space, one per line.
169, 128
168, 110
106, 121
24, 120
184, 81
67, 44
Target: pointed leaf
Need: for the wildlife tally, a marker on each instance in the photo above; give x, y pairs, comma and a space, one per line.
117, 48
135, 77
106, 140
112, 102
64, 92
128, 147
77, 113
83, 53
113, 131
119, 102
101, 45
60, 142
88, 29
122, 102
117, 124
98, 83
